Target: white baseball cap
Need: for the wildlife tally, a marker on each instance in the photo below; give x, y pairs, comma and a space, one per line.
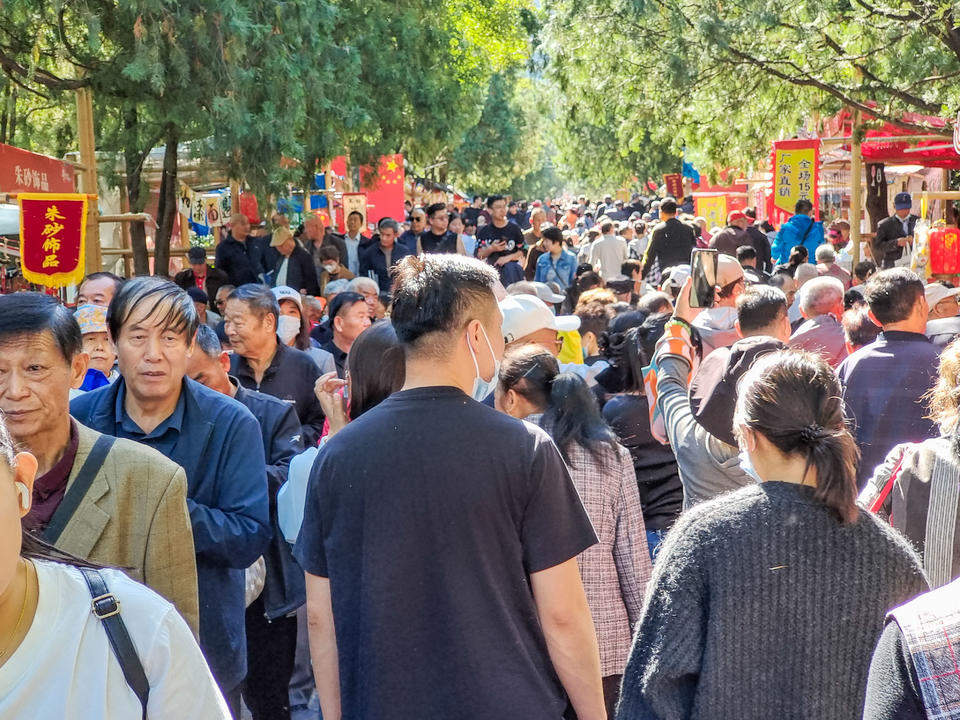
285, 292
525, 314
935, 293
545, 293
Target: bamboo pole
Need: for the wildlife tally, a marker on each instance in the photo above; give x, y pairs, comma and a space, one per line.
856, 189
88, 178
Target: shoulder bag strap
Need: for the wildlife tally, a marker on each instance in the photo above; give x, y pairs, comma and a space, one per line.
71, 500
107, 609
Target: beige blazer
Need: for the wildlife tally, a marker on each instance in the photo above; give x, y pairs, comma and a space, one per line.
134, 517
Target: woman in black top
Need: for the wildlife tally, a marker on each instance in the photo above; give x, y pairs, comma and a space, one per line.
628, 413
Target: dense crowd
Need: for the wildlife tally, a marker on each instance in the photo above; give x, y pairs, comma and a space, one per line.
488, 463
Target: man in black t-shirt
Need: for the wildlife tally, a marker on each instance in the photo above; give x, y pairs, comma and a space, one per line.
447, 565
436, 238
500, 242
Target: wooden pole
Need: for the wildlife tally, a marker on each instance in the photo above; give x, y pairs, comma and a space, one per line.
88, 178
856, 189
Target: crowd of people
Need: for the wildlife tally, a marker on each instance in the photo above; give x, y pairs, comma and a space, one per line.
487, 463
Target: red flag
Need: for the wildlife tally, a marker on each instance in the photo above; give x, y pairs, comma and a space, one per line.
52, 232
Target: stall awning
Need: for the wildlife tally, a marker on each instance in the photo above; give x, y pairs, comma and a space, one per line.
24, 171
934, 153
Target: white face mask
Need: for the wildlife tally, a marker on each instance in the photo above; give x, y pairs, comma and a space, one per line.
481, 387
747, 466
331, 267
287, 328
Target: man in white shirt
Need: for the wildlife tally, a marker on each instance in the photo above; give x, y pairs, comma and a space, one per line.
608, 252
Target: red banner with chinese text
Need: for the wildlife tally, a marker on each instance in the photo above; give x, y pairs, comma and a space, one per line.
674, 183
24, 171
52, 232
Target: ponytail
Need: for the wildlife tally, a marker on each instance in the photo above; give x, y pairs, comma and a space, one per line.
793, 399
573, 418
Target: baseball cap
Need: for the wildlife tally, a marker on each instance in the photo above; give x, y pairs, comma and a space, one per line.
620, 284
735, 215
545, 293
903, 201
525, 314
197, 255
677, 276
198, 295
935, 293
728, 270
280, 236
285, 292
91, 318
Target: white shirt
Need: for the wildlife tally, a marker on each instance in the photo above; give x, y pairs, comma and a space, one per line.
282, 273
65, 668
607, 254
353, 253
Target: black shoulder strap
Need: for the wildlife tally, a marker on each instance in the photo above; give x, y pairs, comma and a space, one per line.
107, 609
71, 500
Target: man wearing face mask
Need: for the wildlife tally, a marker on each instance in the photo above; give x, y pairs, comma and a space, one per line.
520, 614
260, 362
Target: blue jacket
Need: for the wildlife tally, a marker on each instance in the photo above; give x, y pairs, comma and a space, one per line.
217, 442
798, 230
284, 589
373, 260
562, 271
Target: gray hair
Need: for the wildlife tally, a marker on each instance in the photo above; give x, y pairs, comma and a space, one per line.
804, 273
259, 299
208, 342
389, 222
825, 254
819, 295
360, 282
334, 287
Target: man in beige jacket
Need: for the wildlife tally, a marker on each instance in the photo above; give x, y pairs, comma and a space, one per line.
110, 501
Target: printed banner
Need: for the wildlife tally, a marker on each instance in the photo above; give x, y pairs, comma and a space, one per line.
355, 202
712, 209
796, 167
213, 212
674, 183
24, 171
53, 228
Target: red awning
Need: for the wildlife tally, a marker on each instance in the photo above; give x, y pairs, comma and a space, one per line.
941, 153
24, 171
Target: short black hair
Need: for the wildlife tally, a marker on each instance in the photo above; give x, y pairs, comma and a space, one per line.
490, 201
759, 306
435, 208
553, 234
259, 299
655, 302
357, 213
746, 252
669, 207
180, 316
852, 298
606, 227
627, 267
345, 299
31, 313
437, 294
803, 206
864, 269
208, 342
892, 294
198, 295
117, 280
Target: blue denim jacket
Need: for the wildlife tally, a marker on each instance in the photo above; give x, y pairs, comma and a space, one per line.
561, 271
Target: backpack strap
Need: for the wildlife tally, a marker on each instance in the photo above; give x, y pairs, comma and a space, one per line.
107, 609
74, 495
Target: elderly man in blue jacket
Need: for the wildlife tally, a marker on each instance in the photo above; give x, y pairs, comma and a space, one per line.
801, 229
214, 438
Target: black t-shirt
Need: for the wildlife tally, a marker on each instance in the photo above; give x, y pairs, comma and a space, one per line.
446, 243
489, 234
428, 538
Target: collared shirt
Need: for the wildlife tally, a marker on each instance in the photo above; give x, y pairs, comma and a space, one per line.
339, 357
353, 252
49, 488
821, 335
163, 437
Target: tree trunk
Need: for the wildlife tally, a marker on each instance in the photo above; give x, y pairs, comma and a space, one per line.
133, 162
876, 201
167, 209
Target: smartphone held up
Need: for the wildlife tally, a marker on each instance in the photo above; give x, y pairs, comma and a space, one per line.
703, 271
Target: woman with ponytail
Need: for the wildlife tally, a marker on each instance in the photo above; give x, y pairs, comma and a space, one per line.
615, 571
766, 602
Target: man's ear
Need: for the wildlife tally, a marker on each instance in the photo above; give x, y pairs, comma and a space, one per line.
736, 326
78, 369
224, 359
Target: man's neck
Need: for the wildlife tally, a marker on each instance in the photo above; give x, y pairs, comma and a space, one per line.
427, 372
49, 446
556, 253
910, 326
499, 223
148, 414
386, 247
341, 342
260, 361
200, 275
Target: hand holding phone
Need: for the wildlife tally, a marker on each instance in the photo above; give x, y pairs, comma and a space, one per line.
703, 272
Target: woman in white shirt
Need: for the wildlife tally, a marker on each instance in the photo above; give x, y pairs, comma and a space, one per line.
55, 658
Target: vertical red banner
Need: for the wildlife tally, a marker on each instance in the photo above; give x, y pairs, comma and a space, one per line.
52, 232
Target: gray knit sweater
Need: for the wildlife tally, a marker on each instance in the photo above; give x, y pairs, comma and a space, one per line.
762, 605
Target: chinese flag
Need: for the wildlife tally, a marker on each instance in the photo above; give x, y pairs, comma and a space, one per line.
52, 233
385, 189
